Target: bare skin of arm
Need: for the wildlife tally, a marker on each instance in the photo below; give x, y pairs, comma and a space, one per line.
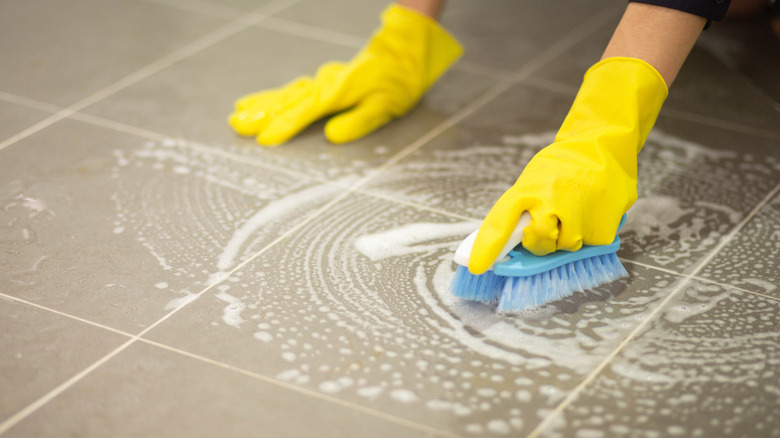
431, 8
660, 36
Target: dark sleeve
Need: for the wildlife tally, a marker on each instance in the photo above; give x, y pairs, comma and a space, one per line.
712, 10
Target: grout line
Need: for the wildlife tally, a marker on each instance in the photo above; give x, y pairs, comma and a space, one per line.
558, 48
549, 85
736, 288
557, 87
201, 7
200, 44
239, 266
416, 205
316, 33
66, 315
634, 333
156, 136
302, 390
120, 127
30, 103
653, 267
730, 236
166, 61
533, 65
537, 62
573, 394
293, 28
188, 50
206, 149
718, 123
464, 66
698, 278
29, 409
6, 425
708, 46
200, 147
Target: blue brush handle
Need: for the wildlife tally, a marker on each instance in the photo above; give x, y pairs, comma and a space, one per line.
522, 263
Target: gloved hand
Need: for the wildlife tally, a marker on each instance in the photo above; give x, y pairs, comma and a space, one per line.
577, 188
384, 81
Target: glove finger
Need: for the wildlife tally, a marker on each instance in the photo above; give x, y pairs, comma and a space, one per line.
305, 102
368, 116
255, 111
541, 234
569, 235
289, 123
495, 231
249, 122
266, 97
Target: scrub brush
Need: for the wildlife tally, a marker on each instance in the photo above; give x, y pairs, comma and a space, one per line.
520, 280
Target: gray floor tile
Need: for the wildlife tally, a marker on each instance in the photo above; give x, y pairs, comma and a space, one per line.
359, 18
707, 366
41, 350
115, 229
705, 86
246, 5
192, 100
146, 391
17, 118
750, 47
220, 8
708, 87
502, 36
466, 168
507, 34
695, 183
752, 259
357, 306
348, 322
68, 51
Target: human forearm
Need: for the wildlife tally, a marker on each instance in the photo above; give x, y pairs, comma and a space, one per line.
660, 36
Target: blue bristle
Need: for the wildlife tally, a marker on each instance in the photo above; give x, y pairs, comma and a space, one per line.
521, 293
485, 287
525, 280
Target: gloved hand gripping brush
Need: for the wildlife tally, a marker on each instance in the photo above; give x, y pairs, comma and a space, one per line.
567, 204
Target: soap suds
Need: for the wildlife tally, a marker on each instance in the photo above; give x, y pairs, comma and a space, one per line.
361, 305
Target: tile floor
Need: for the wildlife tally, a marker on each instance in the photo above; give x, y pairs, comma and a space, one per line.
163, 277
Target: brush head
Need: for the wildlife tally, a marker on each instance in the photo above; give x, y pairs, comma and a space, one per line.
525, 280
485, 287
525, 292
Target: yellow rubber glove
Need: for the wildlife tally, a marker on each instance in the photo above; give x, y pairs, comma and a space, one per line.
577, 188
384, 81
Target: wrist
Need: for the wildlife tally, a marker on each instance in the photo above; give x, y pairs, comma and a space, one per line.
430, 8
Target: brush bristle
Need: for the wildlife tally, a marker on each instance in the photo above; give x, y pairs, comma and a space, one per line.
521, 293
485, 287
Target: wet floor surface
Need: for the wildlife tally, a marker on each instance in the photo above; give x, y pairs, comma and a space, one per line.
163, 277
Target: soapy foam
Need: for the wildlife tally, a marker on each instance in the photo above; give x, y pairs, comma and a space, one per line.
349, 321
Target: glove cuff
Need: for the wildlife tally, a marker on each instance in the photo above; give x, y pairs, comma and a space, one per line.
621, 97
436, 49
